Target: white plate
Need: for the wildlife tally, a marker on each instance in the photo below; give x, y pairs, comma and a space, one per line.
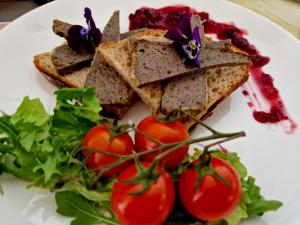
270, 154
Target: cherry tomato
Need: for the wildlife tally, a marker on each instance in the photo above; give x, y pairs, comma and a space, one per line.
97, 138
170, 132
150, 208
213, 200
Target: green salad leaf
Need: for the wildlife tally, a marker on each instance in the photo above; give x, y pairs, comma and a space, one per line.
84, 211
39, 147
252, 202
44, 149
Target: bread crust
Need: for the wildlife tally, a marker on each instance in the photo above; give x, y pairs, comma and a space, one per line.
44, 65
120, 56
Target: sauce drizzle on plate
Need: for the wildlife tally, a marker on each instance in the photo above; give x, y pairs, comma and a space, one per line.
166, 17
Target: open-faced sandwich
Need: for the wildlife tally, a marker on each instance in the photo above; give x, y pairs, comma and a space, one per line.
167, 70
144, 174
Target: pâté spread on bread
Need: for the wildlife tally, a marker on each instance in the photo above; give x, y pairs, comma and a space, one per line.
102, 175
167, 70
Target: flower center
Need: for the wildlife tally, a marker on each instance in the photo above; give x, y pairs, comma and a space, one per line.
192, 49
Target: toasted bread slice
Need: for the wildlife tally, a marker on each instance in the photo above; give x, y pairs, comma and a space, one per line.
119, 56
76, 79
44, 64
221, 81
115, 95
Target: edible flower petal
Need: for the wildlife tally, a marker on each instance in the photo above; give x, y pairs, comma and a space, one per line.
186, 42
81, 38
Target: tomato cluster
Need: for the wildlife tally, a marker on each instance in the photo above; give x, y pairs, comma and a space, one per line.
212, 200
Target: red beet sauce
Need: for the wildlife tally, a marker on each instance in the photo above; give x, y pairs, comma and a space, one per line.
167, 17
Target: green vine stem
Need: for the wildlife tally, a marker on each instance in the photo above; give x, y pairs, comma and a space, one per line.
170, 147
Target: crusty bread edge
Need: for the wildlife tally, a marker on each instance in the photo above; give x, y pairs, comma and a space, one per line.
212, 105
132, 82
52, 73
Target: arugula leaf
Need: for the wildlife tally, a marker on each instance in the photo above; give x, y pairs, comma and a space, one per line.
48, 167
82, 210
92, 195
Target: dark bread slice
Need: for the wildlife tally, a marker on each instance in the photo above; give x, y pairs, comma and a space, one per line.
61, 28
190, 92
115, 95
187, 93
159, 61
119, 56
44, 64
196, 22
111, 31
66, 60
110, 86
221, 81
76, 79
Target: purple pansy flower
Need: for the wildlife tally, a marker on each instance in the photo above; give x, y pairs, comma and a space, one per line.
186, 42
81, 38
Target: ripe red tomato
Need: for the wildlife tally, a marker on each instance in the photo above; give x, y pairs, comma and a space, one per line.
97, 138
170, 132
213, 200
150, 208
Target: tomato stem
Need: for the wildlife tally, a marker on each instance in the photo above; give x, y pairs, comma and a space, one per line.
169, 147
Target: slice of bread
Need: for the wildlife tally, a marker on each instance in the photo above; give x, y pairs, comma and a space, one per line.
66, 60
76, 79
44, 64
64, 67
221, 81
119, 56
61, 28
111, 30
110, 86
186, 92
